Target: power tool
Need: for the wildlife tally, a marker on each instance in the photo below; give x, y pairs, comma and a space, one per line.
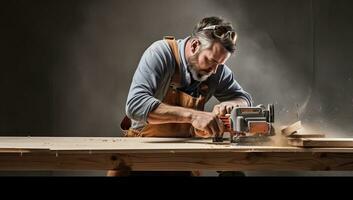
248, 124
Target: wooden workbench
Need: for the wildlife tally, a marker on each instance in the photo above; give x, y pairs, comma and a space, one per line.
78, 153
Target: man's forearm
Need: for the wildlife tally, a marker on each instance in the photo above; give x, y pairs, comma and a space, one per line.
170, 114
207, 123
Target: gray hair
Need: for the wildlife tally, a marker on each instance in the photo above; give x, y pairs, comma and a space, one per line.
207, 38
205, 41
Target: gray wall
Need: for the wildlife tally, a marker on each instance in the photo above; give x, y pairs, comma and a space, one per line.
66, 66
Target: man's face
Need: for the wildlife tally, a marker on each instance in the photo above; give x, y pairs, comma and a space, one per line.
204, 63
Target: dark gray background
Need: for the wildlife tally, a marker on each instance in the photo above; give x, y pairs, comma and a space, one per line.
66, 66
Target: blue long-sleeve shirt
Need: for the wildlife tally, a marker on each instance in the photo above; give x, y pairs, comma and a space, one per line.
153, 75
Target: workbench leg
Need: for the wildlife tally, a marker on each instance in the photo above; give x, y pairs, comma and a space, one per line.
121, 168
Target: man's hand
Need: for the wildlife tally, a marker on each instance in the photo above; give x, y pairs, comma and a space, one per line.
227, 106
223, 108
207, 124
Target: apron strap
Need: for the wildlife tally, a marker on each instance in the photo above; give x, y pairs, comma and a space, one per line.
176, 78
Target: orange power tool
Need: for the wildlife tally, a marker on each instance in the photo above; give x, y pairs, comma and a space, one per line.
248, 122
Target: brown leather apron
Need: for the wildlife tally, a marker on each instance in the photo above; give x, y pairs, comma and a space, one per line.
173, 97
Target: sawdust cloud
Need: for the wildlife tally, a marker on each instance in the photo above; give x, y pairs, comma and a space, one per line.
271, 74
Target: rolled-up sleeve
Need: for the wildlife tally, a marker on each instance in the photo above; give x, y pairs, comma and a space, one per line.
148, 75
228, 88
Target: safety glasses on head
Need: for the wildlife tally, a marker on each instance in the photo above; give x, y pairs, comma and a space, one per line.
222, 32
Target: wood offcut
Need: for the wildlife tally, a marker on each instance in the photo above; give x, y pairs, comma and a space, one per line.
290, 130
322, 142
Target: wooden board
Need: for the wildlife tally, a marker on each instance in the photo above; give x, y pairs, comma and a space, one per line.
123, 144
225, 161
165, 154
289, 130
307, 135
135, 145
321, 142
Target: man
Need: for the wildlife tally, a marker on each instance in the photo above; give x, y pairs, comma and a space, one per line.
174, 80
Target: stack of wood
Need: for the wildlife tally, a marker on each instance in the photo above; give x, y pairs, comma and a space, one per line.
299, 138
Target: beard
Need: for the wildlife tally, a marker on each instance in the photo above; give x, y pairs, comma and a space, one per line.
194, 69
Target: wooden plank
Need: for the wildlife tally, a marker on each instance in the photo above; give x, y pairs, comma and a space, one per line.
307, 135
50, 153
146, 145
181, 161
289, 130
78, 145
321, 142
